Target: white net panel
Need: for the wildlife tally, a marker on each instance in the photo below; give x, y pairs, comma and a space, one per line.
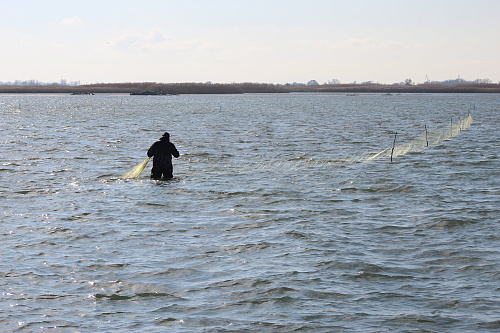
136, 171
426, 139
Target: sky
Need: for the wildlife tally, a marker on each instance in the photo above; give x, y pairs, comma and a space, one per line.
267, 41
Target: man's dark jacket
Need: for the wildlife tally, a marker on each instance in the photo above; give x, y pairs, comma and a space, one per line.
162, 150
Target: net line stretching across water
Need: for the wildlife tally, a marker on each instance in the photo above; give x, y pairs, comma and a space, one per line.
426, 139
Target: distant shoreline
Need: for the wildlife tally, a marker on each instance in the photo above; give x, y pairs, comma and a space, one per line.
242, 88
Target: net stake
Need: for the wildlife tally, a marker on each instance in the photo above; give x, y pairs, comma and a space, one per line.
426, 140
393, 145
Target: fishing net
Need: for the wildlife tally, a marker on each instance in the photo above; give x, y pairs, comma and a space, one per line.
136, 171
423, 141
426, 139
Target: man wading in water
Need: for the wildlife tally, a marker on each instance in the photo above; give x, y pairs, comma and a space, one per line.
163, 150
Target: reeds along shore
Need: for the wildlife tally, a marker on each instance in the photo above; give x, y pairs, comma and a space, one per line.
241, 88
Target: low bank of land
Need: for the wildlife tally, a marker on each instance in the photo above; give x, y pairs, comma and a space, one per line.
242, 88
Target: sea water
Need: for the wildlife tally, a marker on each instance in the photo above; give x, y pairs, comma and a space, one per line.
256, 233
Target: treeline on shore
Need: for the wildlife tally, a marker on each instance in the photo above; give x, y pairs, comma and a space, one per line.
242, 88
395, 88
166, 88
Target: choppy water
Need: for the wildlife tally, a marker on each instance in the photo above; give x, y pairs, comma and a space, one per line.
245, 238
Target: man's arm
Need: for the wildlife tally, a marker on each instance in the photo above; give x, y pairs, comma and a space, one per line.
151, 150
175, 152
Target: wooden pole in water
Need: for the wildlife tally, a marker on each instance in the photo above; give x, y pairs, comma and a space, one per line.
393, 145
426, 140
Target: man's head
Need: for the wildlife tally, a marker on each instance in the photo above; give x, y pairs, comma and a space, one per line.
165, 136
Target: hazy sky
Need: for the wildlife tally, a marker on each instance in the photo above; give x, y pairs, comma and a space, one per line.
271, 41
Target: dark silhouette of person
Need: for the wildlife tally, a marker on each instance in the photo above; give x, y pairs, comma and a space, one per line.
163, 150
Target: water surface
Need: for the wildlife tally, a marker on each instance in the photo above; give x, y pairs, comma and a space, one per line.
256, 232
